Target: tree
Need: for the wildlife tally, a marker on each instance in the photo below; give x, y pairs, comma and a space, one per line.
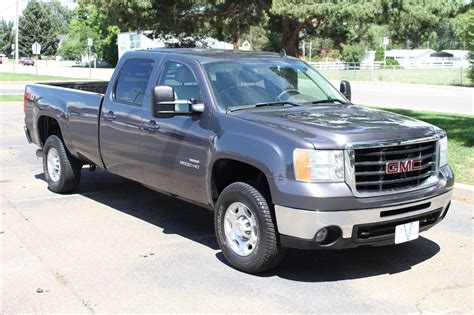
257, 37
88, 21
222, 19
6, 37
414, 23
342, 21
232, 19
470, 42
36, 25
60, 16
462, 26
287, 21
352, 53
379, 54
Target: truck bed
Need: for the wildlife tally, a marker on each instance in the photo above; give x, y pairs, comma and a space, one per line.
89, 86
76, 106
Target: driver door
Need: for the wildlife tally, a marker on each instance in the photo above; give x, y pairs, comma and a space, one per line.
174, 151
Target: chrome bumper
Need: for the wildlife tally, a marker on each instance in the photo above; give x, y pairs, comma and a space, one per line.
305, 224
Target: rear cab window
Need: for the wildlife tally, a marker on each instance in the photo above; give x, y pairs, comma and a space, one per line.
132, 81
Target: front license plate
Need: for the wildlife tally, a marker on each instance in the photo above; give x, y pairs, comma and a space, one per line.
407, 232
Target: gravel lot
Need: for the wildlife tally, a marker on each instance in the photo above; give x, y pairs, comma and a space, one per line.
115, 246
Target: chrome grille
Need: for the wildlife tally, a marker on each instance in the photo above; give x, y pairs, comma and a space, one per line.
369, 167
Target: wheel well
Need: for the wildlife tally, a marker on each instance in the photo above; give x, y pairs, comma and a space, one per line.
227, 171
48, 126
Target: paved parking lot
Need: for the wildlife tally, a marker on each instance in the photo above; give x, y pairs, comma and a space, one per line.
115, 246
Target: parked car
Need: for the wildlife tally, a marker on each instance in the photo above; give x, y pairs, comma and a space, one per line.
26, 61
283, 158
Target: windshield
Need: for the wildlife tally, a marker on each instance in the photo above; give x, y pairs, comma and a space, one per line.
249, 82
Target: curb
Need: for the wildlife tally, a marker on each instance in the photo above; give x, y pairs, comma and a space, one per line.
464, 193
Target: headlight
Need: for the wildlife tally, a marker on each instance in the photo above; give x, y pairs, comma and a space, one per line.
443, 151
319, 165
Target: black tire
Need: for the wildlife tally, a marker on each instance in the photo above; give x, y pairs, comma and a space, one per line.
267, 253
69, 171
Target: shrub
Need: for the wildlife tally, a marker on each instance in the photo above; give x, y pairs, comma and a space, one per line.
379, 54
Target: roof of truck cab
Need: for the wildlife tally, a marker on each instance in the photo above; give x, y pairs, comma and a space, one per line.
212, 55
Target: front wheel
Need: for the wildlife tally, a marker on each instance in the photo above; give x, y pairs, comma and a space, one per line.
62, 171
245, 229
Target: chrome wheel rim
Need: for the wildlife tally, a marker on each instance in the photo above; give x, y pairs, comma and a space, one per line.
240, 228
53, 164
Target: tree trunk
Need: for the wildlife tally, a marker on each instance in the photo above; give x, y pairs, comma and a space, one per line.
235, 37
291, 36
235, 43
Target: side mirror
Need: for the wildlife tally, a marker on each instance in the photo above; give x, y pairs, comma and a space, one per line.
164, 104
345, 89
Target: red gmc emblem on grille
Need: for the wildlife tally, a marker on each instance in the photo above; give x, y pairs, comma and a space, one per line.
402, 166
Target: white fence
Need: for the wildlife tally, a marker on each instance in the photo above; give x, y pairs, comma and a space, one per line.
381, 65
441, 73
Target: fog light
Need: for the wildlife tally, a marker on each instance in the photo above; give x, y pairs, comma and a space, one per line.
321, 235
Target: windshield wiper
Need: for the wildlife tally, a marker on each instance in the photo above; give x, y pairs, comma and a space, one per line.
276, 103
329, 100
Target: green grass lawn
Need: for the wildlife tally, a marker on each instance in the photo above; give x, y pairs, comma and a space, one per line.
460, 129
446, 76
31, 77
11, 98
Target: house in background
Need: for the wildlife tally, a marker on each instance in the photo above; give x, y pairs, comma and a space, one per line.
410, 57
459, 58
422, 58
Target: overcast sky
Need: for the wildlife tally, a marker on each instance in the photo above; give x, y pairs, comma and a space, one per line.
8, 7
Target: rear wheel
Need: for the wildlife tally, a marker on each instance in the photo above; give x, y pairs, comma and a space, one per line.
245, 229
61, 169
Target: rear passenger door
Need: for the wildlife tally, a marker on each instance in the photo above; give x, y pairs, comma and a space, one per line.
175, 152
121, 118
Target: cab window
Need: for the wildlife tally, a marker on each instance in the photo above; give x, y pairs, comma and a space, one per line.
133, 80
182, 80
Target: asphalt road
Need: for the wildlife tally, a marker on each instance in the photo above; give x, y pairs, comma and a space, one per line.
115, 246
438, 98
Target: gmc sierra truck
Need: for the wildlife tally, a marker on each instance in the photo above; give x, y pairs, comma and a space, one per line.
283, 158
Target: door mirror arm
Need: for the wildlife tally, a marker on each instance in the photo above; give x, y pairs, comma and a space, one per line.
194, 108
165, 105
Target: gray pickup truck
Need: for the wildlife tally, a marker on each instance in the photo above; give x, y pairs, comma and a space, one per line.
283, 158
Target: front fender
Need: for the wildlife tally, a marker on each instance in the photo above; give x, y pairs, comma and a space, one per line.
267, 156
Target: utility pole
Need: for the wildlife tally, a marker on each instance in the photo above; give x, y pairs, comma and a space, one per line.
310, 49
385, 42
89, 52
89, 60
16, 33
304, 52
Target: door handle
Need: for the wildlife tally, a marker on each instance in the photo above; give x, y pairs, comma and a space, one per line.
110, 116
152, 126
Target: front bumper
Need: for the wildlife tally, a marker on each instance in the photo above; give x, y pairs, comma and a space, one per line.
360, 227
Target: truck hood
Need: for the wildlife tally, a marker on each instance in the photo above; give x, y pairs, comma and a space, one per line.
336, 125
